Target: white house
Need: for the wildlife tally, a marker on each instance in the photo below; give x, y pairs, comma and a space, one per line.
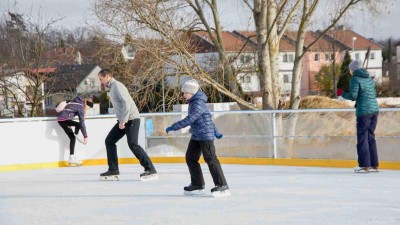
69, 81
16, 94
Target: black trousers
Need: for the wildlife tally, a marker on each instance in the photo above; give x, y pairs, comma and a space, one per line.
193, 153
132, 132
366, 144
66, 126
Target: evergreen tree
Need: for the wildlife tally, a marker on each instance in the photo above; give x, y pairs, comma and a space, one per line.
345, 75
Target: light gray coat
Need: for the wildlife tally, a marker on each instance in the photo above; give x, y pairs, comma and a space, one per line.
124, 106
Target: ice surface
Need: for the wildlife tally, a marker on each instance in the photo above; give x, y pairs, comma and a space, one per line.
260, 195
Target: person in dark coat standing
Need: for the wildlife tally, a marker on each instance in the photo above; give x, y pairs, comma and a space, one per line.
203, 131
362, 90
77, 106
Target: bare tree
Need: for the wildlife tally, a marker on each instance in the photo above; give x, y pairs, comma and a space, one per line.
22, 49
172, 23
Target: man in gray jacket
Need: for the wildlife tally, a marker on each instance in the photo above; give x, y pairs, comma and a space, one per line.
128, 123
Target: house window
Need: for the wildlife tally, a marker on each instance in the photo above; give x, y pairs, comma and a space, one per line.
245, 79
130, 51
287, 57
316, 57
286, 78
372, 55
291, 57
357, 55
49, 101
245, 58
328, 57
89, 82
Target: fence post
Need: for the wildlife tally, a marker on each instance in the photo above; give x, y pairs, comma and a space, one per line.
273, 135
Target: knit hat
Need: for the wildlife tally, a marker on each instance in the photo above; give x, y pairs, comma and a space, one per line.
190, 86
355, 65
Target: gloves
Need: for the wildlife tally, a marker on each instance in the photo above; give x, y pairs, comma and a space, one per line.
217, 134
169, 129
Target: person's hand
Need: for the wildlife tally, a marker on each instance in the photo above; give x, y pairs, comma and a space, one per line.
169, 129
85, 140
121, 125
218, 135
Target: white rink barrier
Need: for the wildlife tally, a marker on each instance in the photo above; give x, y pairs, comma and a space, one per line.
42, 140
320, 137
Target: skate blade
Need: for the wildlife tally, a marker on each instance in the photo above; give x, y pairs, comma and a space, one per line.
195, 193
218, 194
361, 171
109, 178
149, 178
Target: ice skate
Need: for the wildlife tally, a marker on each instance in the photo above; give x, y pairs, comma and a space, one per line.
221, 191
358, 169
79, 138
148, 176
72, 161
374, 169
110, 176
193, 190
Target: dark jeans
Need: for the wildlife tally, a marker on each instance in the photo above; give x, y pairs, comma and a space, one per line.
66, 126
366, 145
132, 131
193, 153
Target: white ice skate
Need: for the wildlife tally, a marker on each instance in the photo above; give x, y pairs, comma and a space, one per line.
220, 191
358, 169
72, 161
110, 176
148, 176
79, 138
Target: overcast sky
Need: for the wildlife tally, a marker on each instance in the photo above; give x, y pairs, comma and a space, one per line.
233, 16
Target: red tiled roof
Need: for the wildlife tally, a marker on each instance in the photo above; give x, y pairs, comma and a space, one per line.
284, 44
346, 36
322, 44
231, 42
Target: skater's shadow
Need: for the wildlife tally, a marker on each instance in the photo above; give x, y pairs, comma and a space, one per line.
156, 196
55, 133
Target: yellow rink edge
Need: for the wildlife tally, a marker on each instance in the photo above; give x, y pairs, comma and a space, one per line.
223, 160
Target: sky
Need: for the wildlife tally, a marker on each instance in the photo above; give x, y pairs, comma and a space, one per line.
233, 15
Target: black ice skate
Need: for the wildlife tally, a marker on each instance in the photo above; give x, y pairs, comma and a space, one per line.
110, 175
358, 169
220, 191
194, 190
374, 169
148, 175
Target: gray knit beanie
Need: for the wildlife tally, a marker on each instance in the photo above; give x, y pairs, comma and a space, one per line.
355, 65
190, 86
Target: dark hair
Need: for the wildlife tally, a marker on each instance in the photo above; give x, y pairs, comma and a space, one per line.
104, 72
90, 104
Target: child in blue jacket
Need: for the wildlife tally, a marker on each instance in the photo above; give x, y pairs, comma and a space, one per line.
203, 131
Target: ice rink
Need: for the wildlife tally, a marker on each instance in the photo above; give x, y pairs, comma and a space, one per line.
260, 195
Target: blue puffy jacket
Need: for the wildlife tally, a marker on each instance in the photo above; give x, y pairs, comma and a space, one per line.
362, 90
199, 118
